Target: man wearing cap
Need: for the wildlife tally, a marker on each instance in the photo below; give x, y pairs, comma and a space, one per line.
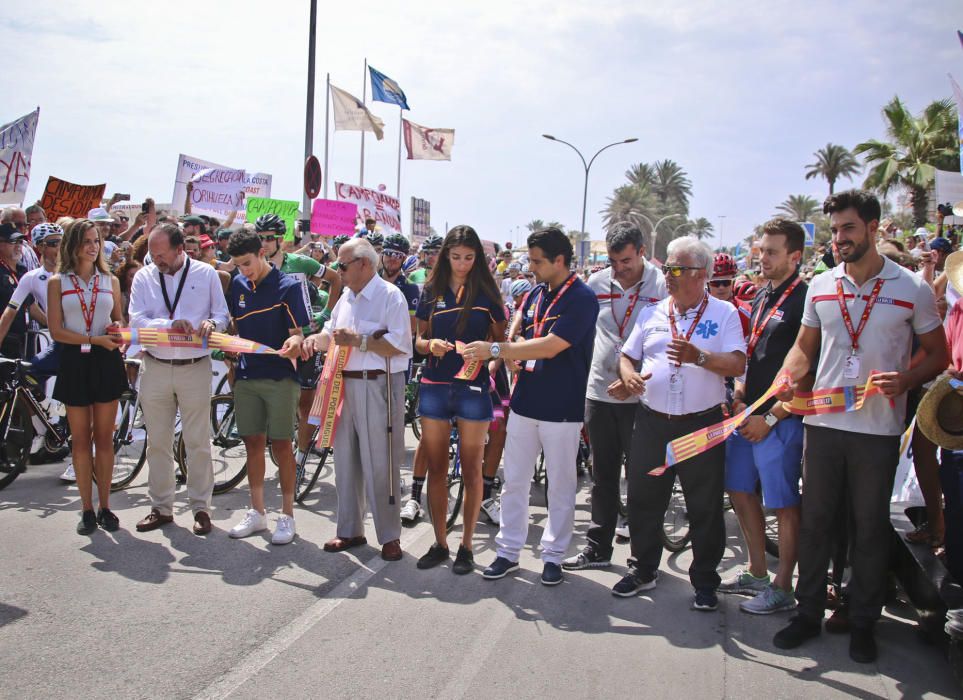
859, 318
223, 236
17, 217
11, 270
919, 242
629, 285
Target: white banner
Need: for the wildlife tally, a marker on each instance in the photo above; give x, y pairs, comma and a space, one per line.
424, 143
383, 208
350, 114
218, 189
255, 185
16, 150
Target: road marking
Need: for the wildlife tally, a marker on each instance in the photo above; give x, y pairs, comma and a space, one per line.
260, 657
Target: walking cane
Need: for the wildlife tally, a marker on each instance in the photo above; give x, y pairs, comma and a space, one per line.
391, 456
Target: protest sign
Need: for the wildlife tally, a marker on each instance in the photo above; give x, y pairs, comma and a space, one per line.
255, 185
420, 220
383, 208
286, 209
16, 150
219, 189
62, 198
331, 218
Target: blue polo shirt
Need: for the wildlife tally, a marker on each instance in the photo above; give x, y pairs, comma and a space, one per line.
555, 389
265, 313
411, 292
442, 313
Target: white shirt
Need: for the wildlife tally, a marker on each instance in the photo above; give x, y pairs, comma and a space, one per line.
719, 330
29, 258
202, 299
378, 306
34, 283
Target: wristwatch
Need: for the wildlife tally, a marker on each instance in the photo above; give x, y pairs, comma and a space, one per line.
363, 347
770, 419
495, 350
701, 359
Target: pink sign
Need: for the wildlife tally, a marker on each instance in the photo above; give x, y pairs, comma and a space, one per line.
332, 218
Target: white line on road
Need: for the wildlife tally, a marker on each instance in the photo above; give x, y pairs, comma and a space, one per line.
260, 657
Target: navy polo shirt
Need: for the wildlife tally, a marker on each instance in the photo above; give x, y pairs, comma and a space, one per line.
442, 313
8, 282
555, 390
265, 313
410, 291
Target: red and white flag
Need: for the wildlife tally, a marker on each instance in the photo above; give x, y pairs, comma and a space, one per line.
424, 143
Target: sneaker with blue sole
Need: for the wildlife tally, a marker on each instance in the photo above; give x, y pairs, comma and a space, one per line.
705, 600
500, 568
551, 574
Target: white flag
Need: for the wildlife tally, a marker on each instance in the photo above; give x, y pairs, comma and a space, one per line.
427, 144
16, 150
350, 114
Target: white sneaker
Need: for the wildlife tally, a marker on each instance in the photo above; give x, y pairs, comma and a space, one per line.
492, 510
253, 522
411, 511
622, 529
284, 532
69, 475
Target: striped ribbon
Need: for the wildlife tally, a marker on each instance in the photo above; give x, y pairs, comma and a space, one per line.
329, 397
471, 368
166, 338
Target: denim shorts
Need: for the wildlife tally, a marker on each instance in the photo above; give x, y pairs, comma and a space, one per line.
455, 400
775, 463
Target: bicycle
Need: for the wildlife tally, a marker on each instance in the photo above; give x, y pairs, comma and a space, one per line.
227, 447
305, 480
411, 401
130, 434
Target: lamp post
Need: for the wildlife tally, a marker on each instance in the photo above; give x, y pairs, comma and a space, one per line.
309, 113
655, 227
587, 167
722, 230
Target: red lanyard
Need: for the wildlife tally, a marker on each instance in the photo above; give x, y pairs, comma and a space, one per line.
755, 333
847, 320
540, 324
633, 299
16, 280
87, 313
675, 330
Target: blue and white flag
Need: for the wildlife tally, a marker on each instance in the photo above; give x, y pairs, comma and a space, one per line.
384, 89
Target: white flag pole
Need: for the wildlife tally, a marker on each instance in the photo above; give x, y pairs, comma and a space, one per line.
364, 101
327, 110
401, 128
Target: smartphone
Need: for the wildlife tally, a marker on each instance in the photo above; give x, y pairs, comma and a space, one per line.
121, 197
143, 208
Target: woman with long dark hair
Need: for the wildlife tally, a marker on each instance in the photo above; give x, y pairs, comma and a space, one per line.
460, 304
83, 299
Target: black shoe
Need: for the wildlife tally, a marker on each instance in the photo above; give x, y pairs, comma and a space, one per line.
588, 558
551, 574
87, 524
107, 520
800, 629
705, 600
862, 645
435, 556
464, 561
500, 568
634, 582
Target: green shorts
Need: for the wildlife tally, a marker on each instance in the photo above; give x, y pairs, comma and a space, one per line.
266, 407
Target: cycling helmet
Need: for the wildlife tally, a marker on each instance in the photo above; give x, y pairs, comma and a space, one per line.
41, 231
744, 290
525, 269
724, 266
519, 287
939, 244
515, 266
396, 242
340, 240
376, 238
432, 243
270, 222
410, 263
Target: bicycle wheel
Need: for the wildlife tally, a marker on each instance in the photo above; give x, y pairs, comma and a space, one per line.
223, 387
16, 440
675, 527
130, 444
305, 481
456, 492
228, 455
411, 409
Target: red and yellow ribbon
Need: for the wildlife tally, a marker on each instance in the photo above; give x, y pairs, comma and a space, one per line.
469, 371
167, 338
329, 397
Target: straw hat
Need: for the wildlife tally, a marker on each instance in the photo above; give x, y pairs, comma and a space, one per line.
940, 413
953, 267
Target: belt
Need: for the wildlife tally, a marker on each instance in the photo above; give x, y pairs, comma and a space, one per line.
684, 416
362, 374
179, 363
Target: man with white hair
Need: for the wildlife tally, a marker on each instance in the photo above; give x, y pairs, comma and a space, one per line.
687, 344
371, 319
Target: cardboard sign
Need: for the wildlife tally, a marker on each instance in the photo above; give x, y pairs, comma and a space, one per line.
220, 189
331, 218
62, 198
383, 208
286, 209
255, 185
16, 150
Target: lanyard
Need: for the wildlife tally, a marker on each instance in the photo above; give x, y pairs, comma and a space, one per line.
692, 326
180, 288
88, 314
540, 324
13, 273
847, 320
755, 333
633, 299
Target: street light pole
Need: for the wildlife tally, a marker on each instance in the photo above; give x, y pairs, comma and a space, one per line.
722, 229
309, 111
587, 166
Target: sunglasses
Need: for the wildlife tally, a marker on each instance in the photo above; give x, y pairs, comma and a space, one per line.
677, 270
394, 254
265, 239
52, 244
720, 283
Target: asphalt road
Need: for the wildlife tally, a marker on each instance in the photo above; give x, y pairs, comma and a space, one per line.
167, 614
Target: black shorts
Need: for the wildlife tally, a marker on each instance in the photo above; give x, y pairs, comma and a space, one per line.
87, 378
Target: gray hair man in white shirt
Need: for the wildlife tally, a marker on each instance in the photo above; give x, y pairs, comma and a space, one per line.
181, 295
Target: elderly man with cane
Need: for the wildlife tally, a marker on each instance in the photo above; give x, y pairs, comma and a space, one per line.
370, 329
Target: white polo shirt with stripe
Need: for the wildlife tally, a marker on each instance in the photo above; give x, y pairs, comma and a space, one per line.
905, 306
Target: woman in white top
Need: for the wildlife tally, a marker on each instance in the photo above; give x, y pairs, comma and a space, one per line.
83, 300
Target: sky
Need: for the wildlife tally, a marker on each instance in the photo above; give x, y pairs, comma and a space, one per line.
739, 94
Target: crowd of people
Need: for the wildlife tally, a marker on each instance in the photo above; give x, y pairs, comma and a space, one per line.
521, 355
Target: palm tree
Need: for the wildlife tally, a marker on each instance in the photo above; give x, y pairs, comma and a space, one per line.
534, 225
641, 175
832, 163
799, 207
701, 227
628, 203
671, 183
555, 224
917, 146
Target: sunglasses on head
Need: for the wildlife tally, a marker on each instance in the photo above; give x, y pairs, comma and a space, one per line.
720, 283
397, 255
677, 270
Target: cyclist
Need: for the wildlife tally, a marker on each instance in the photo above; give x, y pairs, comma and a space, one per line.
460, 303
722, 285
429, 256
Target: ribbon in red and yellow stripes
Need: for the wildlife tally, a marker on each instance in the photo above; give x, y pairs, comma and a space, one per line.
840, 399
329, 397
167, 338
471, 368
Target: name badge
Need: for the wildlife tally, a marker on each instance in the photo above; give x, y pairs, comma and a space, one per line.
530, 365
85, 347
851, 367
618, 351
675, 383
